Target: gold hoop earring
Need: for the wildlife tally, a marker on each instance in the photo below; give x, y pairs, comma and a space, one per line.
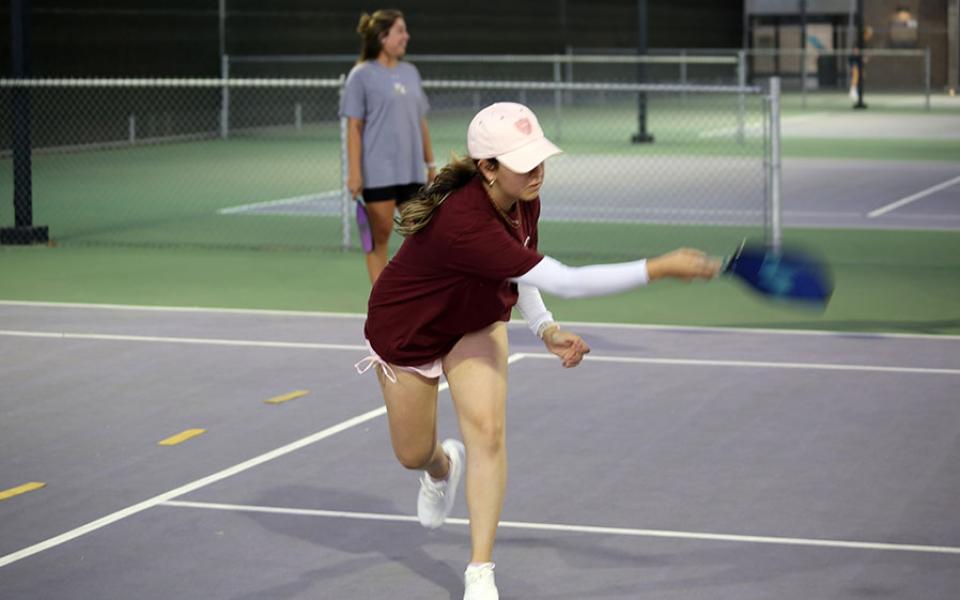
492, 181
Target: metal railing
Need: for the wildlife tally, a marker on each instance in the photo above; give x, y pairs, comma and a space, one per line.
161, 162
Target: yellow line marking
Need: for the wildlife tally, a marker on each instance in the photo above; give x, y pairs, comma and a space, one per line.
183, 436
21, 489
287, 397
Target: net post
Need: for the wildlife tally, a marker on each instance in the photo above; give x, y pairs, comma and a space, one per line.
926, 76
775, 166
345, 200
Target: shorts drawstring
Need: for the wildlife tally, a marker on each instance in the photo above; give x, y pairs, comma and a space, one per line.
364, 365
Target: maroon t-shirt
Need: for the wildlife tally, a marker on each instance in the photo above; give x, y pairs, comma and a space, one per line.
450, 278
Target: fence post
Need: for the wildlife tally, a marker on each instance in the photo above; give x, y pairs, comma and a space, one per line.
21, 142
225, 97
926, 75
741, 97
775, 172
346, 200
558, 100
683, 66
803, 76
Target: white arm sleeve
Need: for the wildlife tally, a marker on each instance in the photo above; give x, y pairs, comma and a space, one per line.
531, 306
557, 278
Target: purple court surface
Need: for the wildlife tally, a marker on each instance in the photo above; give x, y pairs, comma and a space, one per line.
674, 463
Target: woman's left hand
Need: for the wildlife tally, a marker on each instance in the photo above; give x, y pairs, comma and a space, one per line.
569, 346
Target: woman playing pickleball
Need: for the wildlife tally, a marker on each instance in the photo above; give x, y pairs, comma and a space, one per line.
441, 306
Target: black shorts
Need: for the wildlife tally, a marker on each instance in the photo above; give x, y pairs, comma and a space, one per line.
400, 193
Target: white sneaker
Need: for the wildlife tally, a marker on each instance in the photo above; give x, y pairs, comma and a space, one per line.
480, 584
436, 498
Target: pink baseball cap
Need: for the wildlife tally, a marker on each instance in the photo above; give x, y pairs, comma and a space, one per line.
510, 133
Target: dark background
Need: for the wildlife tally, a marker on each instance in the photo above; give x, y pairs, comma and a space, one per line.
169, 38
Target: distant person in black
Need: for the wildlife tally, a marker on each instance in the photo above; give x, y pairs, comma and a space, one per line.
856, 73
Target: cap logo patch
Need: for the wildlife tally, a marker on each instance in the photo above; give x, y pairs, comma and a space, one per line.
524, 126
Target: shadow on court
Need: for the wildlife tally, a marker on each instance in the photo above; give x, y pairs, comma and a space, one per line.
368, 543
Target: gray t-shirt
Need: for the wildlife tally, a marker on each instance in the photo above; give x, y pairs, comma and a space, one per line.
391, 103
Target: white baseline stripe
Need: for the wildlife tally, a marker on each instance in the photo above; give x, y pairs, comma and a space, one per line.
598, 324
594, 358
180, 340
904, 201
755, 364
662, 533
200, 483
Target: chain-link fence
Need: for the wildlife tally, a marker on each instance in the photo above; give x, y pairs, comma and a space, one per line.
259, 163
681, 68
813, 78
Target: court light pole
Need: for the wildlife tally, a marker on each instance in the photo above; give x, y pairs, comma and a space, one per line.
860, 105
642, 136
23, 232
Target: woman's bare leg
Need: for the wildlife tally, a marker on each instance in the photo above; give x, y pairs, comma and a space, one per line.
411, 403
476, 370
381, 224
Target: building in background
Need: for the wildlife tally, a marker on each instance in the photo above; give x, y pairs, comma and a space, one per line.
796, 38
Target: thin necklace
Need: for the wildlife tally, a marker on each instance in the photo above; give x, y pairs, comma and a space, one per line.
515, 223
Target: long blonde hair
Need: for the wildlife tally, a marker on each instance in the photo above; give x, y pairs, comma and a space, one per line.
371, 28
416, 212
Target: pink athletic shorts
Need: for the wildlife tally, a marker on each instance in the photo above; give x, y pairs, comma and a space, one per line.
431, 370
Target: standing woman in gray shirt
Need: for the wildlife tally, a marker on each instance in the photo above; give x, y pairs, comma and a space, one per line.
389, 153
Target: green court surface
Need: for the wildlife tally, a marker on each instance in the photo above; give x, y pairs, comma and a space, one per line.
887, 281
873, 149
144, 226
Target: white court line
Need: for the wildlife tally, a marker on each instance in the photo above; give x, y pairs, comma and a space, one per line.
180, 340
913, 198
755, 364
754, 128
622, 531
597, 324
592, 358
294, 200
200, 483
190, 487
